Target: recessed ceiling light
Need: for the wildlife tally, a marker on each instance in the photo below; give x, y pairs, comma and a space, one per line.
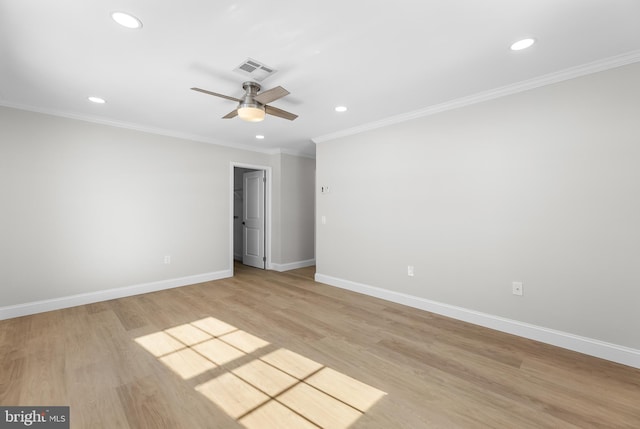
97, 100
341, 109
126, 20
523, 44
260, 137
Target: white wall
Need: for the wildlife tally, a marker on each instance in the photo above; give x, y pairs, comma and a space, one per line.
88, 207
541, 187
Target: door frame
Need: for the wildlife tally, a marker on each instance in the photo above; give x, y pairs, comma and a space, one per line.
267, 211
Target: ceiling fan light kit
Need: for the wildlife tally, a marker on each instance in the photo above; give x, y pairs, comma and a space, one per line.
251, 112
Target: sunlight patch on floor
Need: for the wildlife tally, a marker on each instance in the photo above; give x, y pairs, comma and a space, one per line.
188, 334
214, 326
265, 377
244, 341
260, 389
318, 407
274, 415
218, 351
344, 388
235, 396
160, 343
187, 363
292, 363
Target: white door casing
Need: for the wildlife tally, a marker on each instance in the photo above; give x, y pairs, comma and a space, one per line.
253, 219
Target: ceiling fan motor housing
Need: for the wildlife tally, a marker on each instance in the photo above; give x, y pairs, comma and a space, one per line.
251, 89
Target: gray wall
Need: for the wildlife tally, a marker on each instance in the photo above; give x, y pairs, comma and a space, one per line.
297, 209
88, 207
541, 187
293, 208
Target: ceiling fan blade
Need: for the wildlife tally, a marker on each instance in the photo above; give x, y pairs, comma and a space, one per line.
216, 94
279, 113
270, 95
231, 114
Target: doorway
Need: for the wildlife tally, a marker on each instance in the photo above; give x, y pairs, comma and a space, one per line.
250, 228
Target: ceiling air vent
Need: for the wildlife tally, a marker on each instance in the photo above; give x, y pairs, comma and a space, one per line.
255, 70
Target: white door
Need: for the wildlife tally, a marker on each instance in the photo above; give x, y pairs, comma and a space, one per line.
253, 219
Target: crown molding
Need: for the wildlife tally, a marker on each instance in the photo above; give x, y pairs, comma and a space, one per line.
544, 80
299, 154
144, 129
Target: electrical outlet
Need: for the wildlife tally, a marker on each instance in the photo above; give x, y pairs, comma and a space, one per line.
517, 288
410, 270
167, 259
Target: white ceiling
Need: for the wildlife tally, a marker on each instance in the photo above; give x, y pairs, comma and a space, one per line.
379, 58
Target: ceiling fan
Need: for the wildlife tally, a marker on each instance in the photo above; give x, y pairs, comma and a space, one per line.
252, 107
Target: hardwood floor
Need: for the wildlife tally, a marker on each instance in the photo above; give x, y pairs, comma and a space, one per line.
277, 350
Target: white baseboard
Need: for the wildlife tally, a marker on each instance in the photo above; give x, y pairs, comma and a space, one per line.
26, 309
588, 346
292, 265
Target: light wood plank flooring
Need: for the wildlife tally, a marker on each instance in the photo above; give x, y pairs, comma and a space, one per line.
277, 350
